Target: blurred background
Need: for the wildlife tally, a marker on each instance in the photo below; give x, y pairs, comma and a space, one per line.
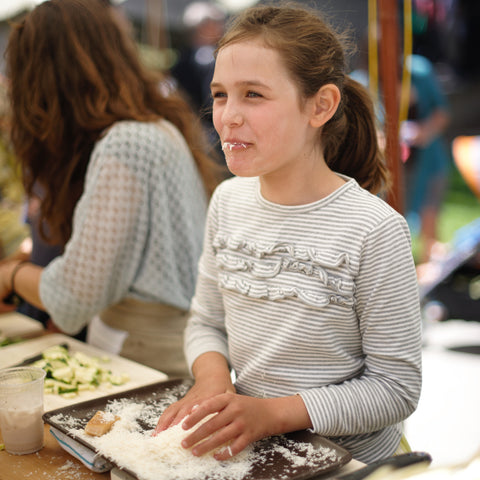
447, 32
173, 34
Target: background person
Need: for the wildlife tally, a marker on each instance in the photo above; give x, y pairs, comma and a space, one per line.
423, 149
124, 178
428, 164
205, 25
297, 292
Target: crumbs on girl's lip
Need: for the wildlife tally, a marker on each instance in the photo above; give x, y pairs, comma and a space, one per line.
230, 146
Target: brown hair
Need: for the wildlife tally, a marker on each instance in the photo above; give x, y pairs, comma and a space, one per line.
314, 55
74, 72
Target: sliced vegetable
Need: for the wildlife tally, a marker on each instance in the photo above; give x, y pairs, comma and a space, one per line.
4, 341
67, 374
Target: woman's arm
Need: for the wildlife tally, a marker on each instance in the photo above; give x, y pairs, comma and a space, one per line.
22, 278
102, 256
431, 128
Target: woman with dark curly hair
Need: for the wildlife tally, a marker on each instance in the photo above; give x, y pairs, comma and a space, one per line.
125, 179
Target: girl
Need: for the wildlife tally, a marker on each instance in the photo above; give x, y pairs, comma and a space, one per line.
125, 180
306, 286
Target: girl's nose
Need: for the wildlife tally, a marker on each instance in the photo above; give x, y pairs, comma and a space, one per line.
231, 115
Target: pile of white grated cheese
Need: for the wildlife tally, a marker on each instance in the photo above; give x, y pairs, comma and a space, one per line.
131, 446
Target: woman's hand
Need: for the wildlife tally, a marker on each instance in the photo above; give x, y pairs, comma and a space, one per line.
240, 420
5, 286
7, 307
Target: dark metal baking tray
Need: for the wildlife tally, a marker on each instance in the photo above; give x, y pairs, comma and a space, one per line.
274, 465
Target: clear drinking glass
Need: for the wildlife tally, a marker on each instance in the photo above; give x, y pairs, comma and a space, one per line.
21, 409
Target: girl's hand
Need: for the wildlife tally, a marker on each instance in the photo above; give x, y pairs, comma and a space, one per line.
184, 407
212, 376
241, 420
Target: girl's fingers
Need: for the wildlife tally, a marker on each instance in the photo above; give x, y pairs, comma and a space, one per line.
220, 438
189, 410
164, 422
170, 417
212, 427
233, 448
207, 407
206, 430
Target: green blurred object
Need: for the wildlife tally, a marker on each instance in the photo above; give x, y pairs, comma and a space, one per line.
460, 208
4, 341
12, 229
153, 58
419, 23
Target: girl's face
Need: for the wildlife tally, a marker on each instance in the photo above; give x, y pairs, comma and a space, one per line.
263, 126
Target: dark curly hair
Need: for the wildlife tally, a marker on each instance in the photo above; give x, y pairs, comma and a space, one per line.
74, 71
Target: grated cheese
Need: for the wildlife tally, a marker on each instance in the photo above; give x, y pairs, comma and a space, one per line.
135, 449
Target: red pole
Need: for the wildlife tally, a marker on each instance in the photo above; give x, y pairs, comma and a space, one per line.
390, 81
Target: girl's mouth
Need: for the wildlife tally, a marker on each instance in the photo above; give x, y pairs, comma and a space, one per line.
233, 145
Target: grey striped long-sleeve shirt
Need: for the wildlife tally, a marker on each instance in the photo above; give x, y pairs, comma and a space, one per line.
319, 300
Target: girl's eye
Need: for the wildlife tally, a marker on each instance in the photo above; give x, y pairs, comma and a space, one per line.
218, 94
251, 94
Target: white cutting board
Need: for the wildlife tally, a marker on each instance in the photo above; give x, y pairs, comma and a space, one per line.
15, 324
140, 375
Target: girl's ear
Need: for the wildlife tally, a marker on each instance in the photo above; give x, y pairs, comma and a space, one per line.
326, 102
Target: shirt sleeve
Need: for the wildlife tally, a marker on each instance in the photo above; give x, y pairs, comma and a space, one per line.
388, 311
206, 330
100, 259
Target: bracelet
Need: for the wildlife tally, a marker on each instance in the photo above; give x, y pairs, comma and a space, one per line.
18, 266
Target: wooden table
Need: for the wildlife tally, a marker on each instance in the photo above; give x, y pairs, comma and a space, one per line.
49, 463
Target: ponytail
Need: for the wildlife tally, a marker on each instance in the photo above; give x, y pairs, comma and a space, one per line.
350, 143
